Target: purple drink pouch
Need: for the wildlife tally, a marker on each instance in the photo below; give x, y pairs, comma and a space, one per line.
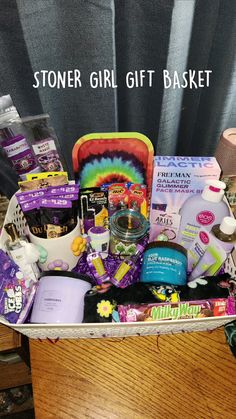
55, 203
59, 213
31, 195
73, 197
16, 293
58, 190
31, 210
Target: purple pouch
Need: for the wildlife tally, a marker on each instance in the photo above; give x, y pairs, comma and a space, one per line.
60, 190
30, 195
31, 210
73, 197
57, 212
16, 293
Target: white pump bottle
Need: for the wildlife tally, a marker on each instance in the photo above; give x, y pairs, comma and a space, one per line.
203, 210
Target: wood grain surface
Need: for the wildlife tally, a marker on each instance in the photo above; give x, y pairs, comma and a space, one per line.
171, 376
14, 375
9, 339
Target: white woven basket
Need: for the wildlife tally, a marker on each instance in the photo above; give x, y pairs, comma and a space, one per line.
100, 330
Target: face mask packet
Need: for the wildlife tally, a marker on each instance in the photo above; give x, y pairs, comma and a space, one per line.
31, 211
30, 195
16, 293
44, 142
29, 185
56, 212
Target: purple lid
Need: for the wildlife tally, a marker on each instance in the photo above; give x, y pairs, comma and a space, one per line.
97, 230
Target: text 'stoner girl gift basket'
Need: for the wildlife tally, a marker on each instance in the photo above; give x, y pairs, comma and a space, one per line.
135, 245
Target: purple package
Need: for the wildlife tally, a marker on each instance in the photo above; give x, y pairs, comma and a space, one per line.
58, 190
57, 216
55, 203
31, 210
16, 293
178, 310
30, 195
21, 156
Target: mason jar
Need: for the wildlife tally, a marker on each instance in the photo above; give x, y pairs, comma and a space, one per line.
128, 228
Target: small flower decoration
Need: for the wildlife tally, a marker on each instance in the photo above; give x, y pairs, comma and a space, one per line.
43, 254
104, 308
58, 265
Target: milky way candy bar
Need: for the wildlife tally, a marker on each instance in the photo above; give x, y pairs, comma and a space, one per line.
178, 310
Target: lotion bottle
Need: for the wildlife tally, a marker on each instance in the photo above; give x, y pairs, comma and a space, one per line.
221, 241
225, 233
203, 210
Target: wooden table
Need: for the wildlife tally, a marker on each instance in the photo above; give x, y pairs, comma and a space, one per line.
175, 376
13, 373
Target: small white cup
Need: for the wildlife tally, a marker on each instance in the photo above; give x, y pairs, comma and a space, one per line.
100, 240
60, 255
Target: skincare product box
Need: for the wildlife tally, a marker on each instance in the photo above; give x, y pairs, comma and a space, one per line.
176, 178
163, 226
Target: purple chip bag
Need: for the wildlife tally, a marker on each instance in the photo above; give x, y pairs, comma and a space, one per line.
16, 293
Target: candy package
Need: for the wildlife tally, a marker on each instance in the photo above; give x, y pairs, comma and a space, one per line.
29, 185
57, 216
16, 293
177, 310
31, 210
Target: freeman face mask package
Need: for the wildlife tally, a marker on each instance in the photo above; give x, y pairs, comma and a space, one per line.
175, 179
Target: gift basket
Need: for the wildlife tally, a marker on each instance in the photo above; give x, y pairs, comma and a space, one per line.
136, 245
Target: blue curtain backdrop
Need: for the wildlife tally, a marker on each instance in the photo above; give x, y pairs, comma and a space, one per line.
124, 35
